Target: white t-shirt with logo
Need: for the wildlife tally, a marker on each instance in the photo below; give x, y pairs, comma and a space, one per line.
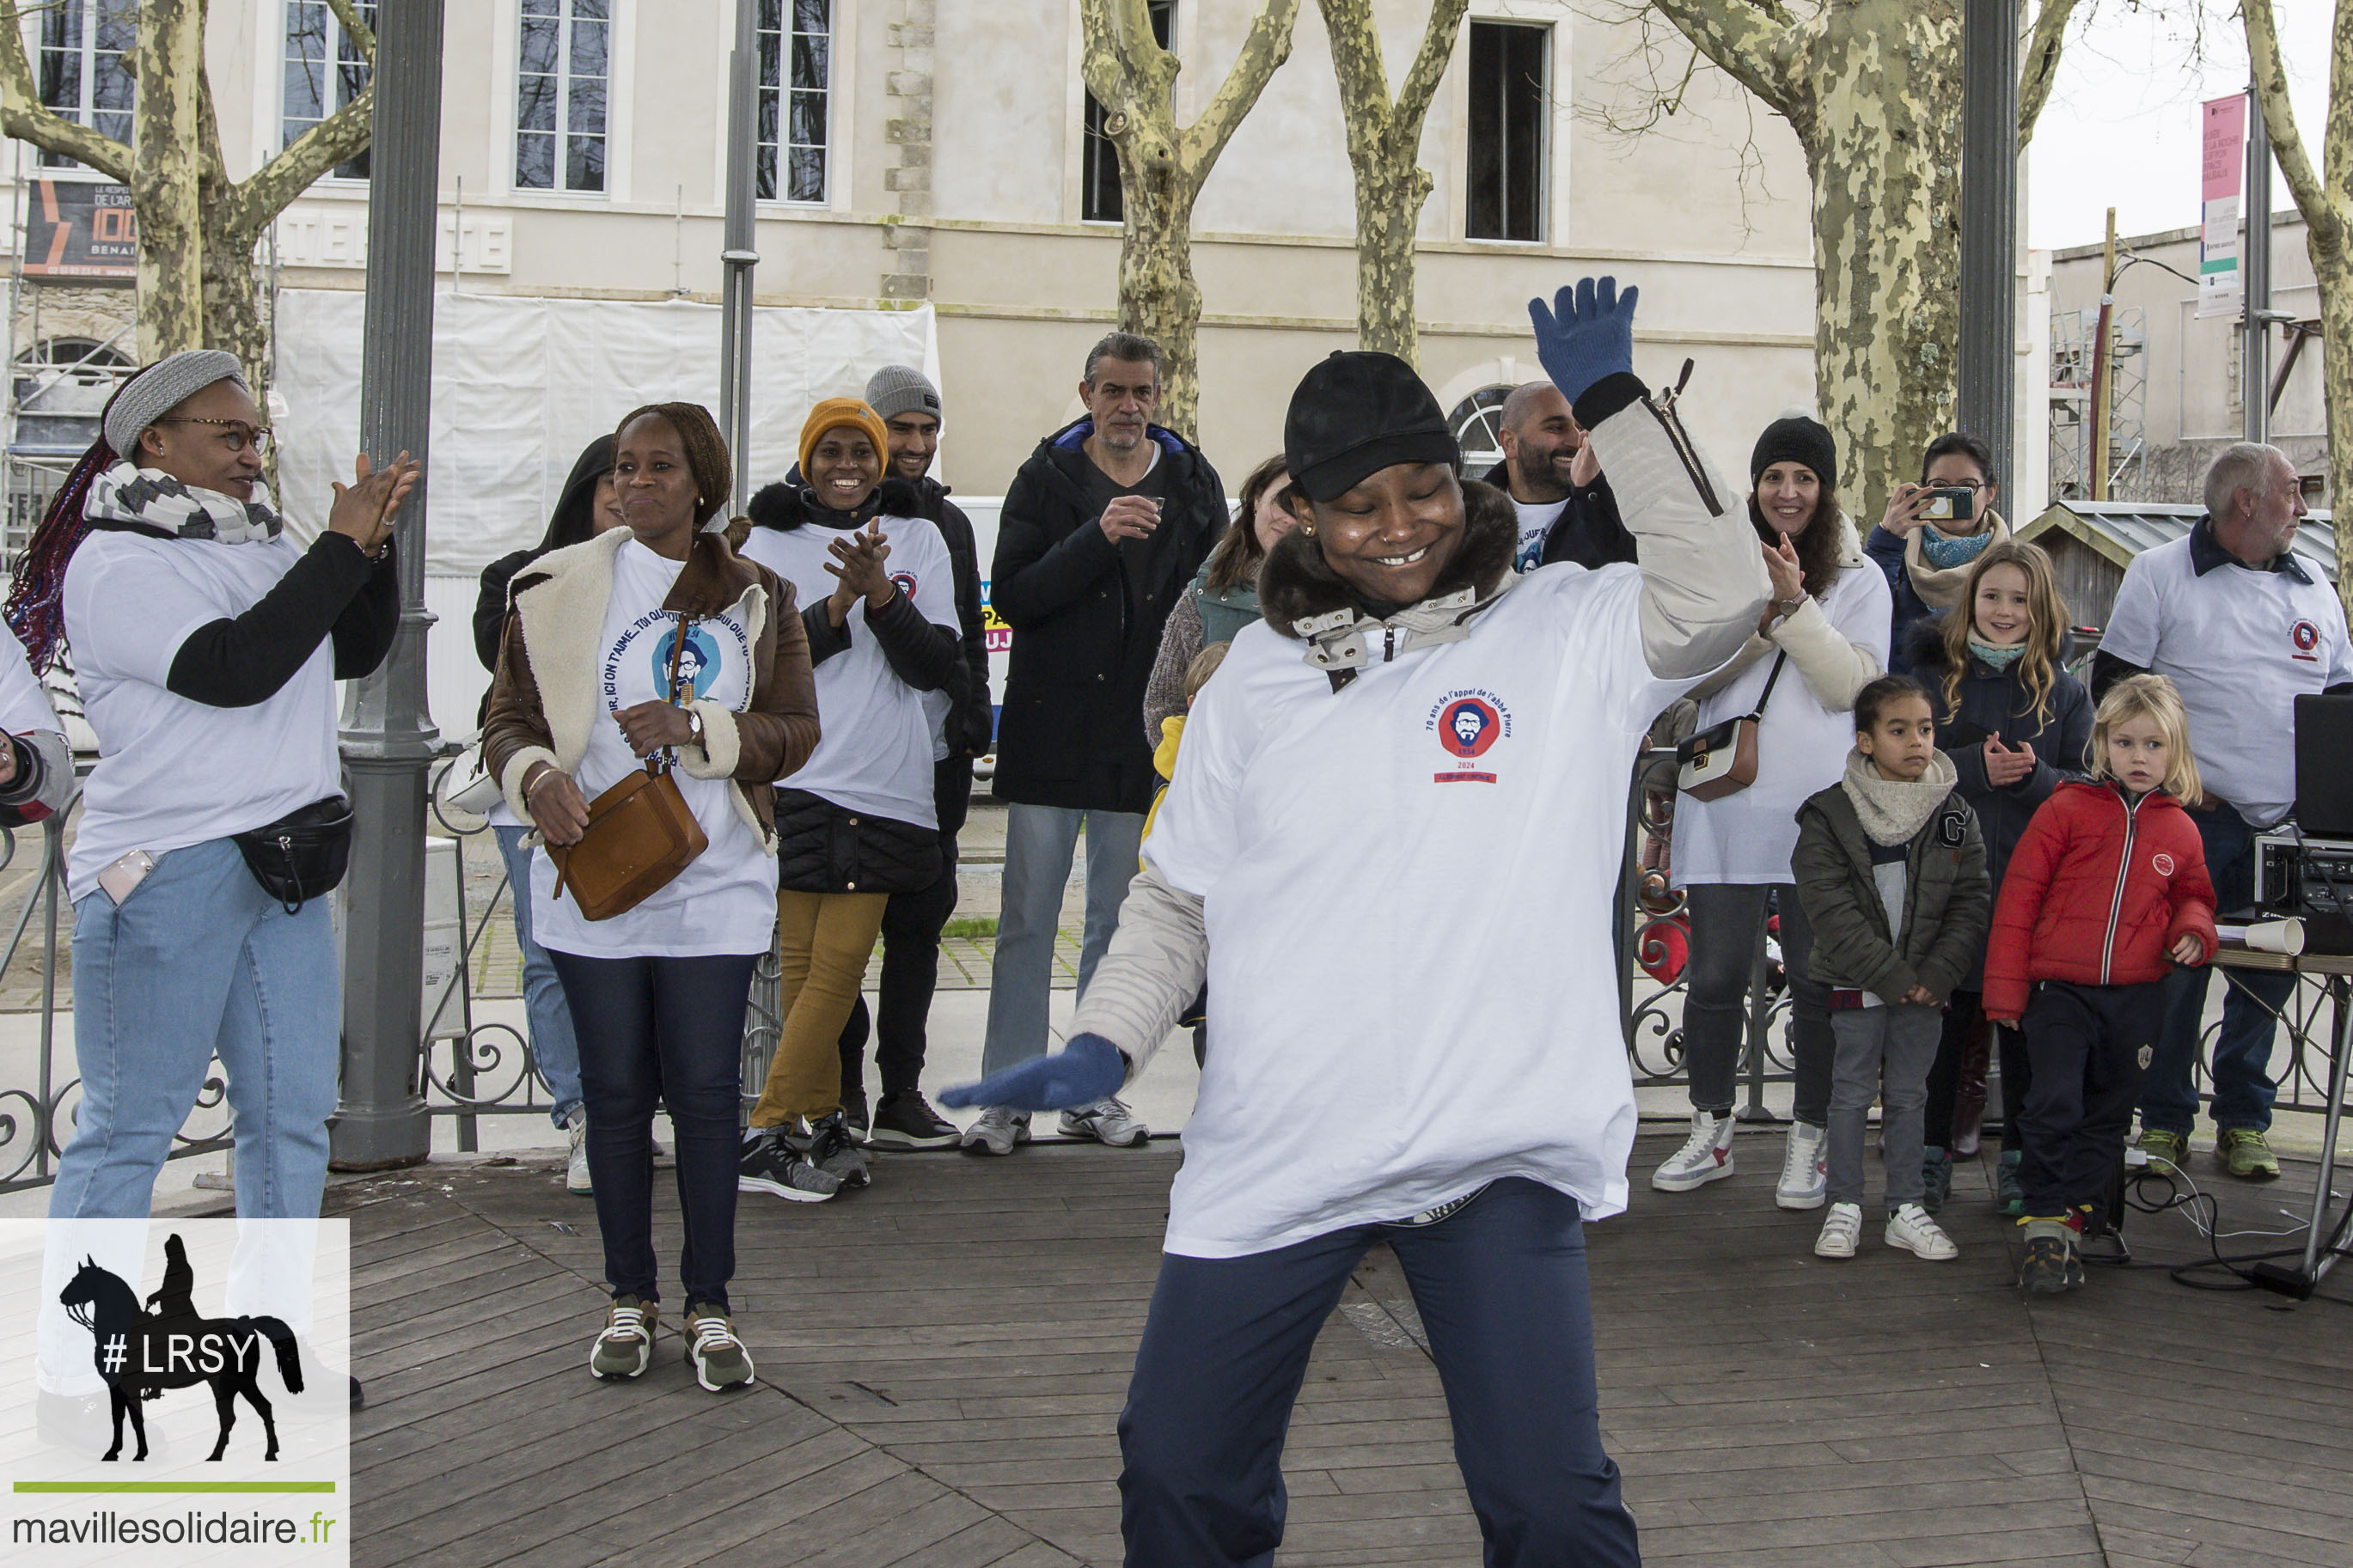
1408, 886
1536, 518
173, 772
878, 739
1801, 748
2240, 646
724, 903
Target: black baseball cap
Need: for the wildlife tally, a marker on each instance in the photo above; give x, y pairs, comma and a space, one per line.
1356, 413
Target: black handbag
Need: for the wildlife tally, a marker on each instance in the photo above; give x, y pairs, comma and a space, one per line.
302, 856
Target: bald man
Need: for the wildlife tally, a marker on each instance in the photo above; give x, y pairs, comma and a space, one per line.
1566, 508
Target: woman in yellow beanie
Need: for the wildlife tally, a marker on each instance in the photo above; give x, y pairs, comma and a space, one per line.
858, 822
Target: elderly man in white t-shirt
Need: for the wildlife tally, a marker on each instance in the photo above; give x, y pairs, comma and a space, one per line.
2242, 628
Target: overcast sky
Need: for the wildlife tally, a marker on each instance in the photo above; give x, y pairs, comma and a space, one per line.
2121, 128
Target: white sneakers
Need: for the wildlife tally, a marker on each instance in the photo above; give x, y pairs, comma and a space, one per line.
1910, 1228
1841, 1230
576, 1170
1705, 1156
1805, 1169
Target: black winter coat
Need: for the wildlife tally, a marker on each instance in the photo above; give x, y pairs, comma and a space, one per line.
1068, 735
822, 847
1994, 703
1589, 532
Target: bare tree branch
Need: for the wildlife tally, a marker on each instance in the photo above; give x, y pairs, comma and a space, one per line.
2324, 210
310, 157
362, 36
2041, 64
24, 116
1263, 50
1428, 66
1746, 42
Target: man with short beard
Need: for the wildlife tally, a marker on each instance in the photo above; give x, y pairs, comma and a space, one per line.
1567, 511
1103, 529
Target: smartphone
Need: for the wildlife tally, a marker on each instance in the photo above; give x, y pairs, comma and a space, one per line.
1958, 504
121, 879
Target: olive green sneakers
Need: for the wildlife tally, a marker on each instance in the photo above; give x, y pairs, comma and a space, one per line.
2246, 1154
2172, 1149
720, 1359
626, 1346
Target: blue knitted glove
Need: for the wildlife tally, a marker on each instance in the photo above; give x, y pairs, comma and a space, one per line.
1087, 1068
1587, 335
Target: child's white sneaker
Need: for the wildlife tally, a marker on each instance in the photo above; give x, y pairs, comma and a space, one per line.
1805, 1168
1841, 1230
1911, 1228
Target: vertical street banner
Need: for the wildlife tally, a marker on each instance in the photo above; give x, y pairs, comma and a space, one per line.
82, 230
2222, 284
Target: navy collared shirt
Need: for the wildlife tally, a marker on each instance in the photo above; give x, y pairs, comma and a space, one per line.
2206, 553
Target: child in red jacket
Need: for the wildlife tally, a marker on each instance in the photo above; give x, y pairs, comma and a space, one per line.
2105, 892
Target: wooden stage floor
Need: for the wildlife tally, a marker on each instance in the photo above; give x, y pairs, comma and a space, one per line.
942, 1359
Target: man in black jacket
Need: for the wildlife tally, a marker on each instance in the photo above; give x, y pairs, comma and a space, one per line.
1102, 530
962, 727
1567, 511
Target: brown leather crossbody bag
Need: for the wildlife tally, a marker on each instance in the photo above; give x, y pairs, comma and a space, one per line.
641, 832
1721, 760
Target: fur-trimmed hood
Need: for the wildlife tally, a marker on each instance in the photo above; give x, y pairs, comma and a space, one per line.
1296, 585
790, 503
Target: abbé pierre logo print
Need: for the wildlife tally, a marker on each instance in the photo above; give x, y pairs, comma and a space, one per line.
144, 1352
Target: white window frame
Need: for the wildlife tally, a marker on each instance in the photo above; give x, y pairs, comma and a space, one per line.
1549, 209
783, 89
279, 59
82, 114
618, 44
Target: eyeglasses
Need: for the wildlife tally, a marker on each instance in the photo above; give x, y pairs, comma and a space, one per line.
234, 433
1971, 485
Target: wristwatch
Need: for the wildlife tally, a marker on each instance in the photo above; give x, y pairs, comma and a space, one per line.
694, 723
1788, 607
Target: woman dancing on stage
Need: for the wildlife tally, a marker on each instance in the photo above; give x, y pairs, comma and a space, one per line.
1389, 847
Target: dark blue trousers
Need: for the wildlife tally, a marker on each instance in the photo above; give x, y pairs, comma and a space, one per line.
666, 1029
1500, 1287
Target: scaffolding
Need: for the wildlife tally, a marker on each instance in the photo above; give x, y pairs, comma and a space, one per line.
2075, 336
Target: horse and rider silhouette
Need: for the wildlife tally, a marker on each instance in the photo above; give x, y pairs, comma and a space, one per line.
141, 1353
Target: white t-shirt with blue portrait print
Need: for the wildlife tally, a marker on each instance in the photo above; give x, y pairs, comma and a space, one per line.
881, 737
725, 901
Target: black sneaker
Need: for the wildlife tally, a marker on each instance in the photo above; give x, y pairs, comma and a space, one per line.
853, 1110
2051, 1267
771, 1165
908, 1121
833, 1148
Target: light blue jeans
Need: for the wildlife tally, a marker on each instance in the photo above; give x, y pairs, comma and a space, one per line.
554, 1050
1039, 841
197, 960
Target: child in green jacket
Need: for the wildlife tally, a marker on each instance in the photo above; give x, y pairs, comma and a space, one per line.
1891, 873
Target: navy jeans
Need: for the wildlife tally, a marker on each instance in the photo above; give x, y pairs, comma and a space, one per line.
667, 1029
2243, 1089
1724, 922
1500, 1287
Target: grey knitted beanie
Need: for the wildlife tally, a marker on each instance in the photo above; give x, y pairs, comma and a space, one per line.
897, 389
161, 387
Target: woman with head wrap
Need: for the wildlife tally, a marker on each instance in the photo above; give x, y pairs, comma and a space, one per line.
585, 507
584, 693
1379, 847
206, 644
860, 821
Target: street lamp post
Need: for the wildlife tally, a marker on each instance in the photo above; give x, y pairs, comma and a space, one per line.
1988, 352
737, 258
388, 736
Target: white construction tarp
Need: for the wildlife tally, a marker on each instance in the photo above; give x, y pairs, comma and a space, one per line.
519, 385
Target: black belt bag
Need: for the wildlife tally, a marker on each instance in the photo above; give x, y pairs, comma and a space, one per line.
302, 856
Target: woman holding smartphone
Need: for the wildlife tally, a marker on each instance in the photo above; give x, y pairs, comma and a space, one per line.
1931, 533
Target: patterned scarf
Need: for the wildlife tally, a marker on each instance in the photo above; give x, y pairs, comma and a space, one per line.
1995, 659
122, 493
1945, 552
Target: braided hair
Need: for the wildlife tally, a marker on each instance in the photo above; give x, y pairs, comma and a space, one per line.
705, 449
35, 608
